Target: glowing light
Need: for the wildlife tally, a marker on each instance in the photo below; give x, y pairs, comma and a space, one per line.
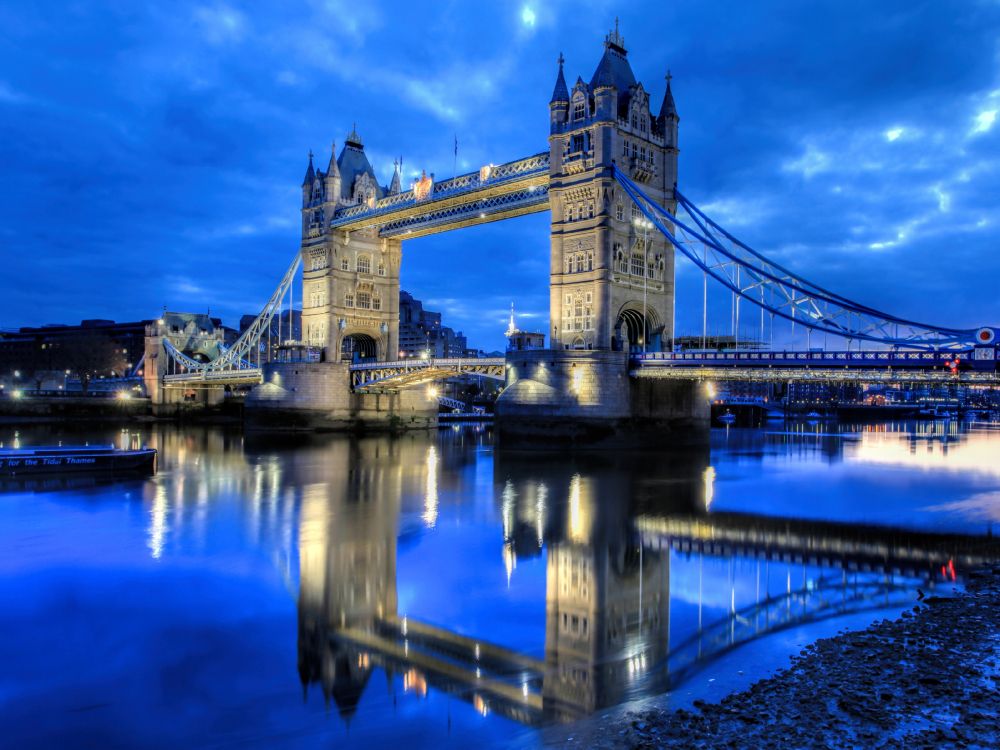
984, 121
16, 394
709, 478
893, 134
527, 16
158, 522
710, 390
579, 510
431, 488
123, 395
433, 392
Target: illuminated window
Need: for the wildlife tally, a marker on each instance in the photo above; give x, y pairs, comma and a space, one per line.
637, 264
364, 264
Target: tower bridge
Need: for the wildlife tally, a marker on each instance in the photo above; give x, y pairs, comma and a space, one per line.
609, 180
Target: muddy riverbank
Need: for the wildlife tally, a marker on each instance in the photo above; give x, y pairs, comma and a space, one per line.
930, 678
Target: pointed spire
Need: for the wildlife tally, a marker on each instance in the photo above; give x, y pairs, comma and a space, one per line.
332, 170
614, 39
353, 139
310, 172
668, 109
560, 93
394, 186
511, 326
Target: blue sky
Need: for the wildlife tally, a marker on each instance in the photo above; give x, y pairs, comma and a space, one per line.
152, 152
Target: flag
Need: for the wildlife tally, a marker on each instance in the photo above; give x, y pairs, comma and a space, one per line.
456, 145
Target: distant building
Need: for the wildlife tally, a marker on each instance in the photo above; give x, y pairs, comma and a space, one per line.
717, 343
518, 340
43, 356
286, 328
421, 331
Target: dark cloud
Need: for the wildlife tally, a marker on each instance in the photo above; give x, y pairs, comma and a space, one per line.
152, 156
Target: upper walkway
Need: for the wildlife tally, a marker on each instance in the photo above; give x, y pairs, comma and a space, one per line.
492, 193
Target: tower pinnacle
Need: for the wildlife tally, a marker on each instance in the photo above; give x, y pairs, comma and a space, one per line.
511, 326
560, 93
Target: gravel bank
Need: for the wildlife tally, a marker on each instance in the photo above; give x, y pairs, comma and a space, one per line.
928, 679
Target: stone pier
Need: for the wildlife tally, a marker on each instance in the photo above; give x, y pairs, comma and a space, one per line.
318, 396
588, 398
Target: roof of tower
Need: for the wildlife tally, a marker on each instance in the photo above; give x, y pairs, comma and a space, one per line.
668, 108
613, 69
310, 172
560, 93
352, 162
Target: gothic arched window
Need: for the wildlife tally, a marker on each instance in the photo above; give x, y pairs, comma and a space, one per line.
364, 301
637, 264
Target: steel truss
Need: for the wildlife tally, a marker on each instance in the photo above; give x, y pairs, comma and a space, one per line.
407, 373
752, 276
240, 355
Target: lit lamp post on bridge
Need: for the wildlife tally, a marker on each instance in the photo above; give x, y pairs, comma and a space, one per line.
641, 222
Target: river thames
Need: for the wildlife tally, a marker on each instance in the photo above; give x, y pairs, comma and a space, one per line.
426, 588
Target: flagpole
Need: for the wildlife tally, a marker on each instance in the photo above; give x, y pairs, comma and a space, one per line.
454, 166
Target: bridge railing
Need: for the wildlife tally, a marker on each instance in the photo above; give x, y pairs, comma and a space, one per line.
886, 358
416, 363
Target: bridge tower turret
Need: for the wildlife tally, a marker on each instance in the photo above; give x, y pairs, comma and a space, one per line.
611, 279
350, 280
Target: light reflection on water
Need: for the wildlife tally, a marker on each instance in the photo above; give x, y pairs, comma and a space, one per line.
431, 585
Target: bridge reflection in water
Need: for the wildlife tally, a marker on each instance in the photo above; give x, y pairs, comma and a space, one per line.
609, 529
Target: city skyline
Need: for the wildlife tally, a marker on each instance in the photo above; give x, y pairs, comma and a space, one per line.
156, 160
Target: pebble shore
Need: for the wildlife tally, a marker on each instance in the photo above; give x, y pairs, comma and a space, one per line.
928, 679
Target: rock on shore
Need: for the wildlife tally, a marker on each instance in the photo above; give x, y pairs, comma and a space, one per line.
928, 679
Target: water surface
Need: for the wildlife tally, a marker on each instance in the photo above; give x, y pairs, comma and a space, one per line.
364, 591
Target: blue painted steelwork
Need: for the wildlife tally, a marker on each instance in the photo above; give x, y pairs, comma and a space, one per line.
754, 277
852, 360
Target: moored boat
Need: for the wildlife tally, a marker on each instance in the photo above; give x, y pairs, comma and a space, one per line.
34, 461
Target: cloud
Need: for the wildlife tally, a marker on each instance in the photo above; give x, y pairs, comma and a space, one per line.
220, 24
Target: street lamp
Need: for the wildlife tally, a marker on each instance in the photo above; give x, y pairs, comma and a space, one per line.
645, 225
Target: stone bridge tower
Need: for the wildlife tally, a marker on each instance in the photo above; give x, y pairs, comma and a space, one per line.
350, 280
612, 281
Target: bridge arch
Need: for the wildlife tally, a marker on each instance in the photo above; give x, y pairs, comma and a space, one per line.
632, 329
358, 347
